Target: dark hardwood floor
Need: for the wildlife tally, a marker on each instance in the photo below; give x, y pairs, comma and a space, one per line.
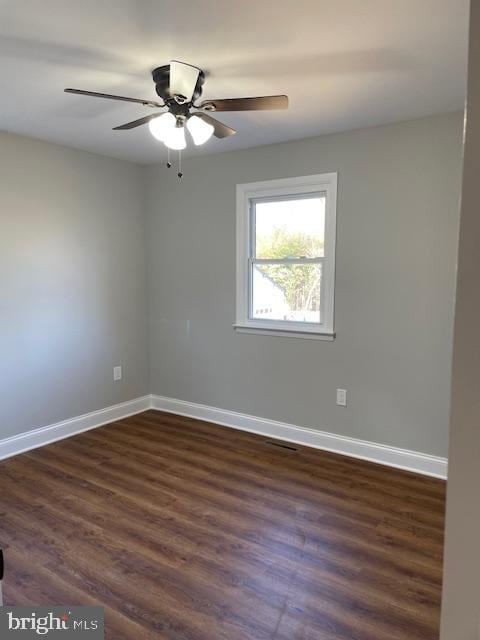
190, 531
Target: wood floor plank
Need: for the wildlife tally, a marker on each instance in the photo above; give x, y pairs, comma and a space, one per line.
185, 530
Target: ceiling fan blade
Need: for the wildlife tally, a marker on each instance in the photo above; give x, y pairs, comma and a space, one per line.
137, 123
183, 79
220, 130
94, 94
246, 104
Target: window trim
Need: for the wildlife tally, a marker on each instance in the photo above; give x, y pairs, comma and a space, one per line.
285, 187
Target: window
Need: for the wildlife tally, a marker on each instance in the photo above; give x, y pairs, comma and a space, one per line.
286, 256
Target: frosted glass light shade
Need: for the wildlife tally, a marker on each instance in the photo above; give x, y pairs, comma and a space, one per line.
159, 127
175, 138
200, 130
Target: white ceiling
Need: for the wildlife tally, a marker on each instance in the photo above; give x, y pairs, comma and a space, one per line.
344, 64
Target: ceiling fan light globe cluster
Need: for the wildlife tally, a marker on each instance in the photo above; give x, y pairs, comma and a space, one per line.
200, 130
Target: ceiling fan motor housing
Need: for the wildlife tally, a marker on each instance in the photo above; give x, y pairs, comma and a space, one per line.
161, 78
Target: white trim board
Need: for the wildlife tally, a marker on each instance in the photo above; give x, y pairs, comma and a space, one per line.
379, 453
66, 428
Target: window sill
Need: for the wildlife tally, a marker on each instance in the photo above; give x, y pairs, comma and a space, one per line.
327, 336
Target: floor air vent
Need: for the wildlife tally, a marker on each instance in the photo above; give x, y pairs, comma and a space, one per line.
282, 445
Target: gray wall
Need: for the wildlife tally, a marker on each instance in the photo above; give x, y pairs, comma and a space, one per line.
397, 235
73, 286
461, 584
72, 283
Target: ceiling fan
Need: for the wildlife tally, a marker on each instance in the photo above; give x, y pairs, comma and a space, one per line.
179, 85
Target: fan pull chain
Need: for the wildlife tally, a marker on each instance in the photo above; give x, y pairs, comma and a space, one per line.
180, 174
169, 164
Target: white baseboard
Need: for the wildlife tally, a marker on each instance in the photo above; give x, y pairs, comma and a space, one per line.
382, 454
39, 437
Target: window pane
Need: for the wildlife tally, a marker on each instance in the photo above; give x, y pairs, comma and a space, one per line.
290, 228
286, 292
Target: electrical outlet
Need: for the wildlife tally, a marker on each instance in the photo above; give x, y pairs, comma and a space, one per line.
117, 373
342, 397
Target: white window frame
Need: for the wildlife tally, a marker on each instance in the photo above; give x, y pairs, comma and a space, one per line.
325, 183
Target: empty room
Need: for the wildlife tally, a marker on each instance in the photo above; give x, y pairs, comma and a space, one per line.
239, 311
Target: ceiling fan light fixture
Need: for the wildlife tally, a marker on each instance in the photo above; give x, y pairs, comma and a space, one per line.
174, 138
200, 130
160, 127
